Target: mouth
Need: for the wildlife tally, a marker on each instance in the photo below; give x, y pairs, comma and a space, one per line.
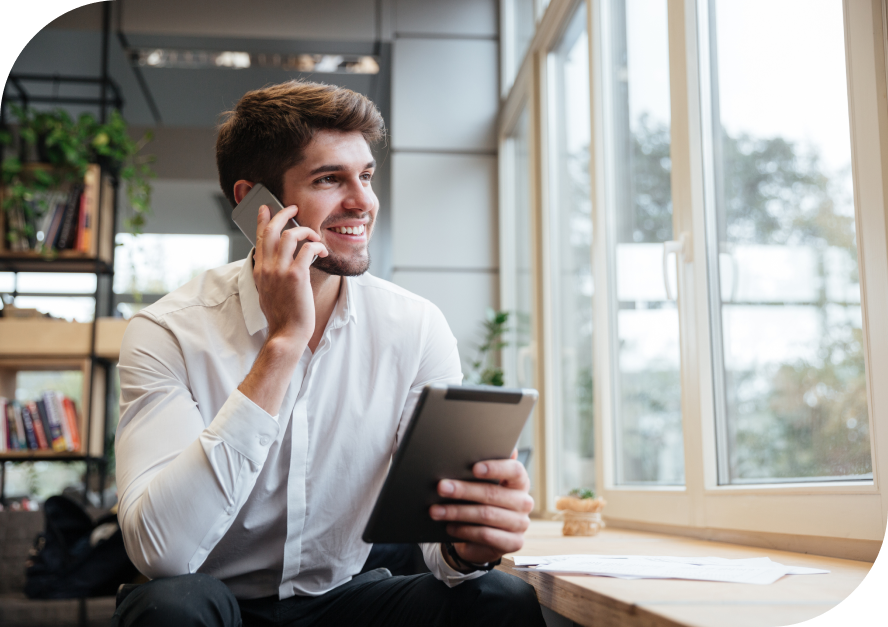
355, 232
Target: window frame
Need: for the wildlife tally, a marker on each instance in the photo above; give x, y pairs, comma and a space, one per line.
848, 517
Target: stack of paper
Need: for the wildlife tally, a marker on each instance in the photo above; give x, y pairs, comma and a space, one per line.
758, 570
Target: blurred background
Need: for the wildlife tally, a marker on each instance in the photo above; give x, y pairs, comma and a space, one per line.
431, 68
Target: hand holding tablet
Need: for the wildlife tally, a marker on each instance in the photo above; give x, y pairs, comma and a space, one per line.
458, 454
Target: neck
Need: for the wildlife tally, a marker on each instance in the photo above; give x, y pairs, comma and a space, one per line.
325, 290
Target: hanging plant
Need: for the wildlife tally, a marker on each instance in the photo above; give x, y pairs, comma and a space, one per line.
68, 147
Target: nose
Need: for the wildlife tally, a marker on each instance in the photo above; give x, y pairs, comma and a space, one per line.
360, 196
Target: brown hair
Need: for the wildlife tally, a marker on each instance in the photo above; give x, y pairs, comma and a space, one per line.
267, 132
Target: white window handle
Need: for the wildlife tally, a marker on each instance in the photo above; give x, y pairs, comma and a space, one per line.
678, 247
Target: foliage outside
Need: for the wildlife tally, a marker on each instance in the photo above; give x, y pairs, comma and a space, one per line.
806, 417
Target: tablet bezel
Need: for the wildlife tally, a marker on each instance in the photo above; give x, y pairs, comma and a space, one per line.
483, 422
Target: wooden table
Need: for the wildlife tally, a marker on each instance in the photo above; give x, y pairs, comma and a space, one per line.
609, 602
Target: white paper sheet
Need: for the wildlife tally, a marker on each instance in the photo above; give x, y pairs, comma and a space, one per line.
755, 570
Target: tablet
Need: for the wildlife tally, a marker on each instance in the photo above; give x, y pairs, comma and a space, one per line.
452, 428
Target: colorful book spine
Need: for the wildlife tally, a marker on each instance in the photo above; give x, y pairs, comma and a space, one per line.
42, 442
71, 413
59, 409
4, 426
30, 436
55, 423
44, 419
68, 229
19, 425
11, 433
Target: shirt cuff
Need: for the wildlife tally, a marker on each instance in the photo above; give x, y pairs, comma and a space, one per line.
450, 575
245, 427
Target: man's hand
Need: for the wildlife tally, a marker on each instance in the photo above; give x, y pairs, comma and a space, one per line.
286, 299
283, 282
497, 519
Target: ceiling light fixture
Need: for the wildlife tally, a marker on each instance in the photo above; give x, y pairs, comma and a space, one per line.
203, 59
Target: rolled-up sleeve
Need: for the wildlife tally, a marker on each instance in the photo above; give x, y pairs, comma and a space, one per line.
182, 477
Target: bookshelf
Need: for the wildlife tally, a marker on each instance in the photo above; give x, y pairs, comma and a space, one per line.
90, 348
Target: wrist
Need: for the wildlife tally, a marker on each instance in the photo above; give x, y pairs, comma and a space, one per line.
451, 556
287, 346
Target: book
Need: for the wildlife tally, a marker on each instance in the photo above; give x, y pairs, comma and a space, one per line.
67, 230
89, 210
30, 436
55, 423
52, 234
4, 426
12, 442
59, 409
71, 413
44, 420
42, 442
19, 425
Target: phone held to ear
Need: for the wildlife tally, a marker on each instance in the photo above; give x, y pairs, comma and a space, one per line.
246, 214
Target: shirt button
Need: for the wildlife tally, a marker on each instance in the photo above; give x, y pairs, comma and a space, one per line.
229, 509
263, 441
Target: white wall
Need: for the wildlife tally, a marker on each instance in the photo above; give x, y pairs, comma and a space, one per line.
444, 108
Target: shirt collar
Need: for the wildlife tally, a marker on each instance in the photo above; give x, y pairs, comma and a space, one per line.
249, 297
344, 310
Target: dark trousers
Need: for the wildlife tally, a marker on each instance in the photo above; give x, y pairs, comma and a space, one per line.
372, 598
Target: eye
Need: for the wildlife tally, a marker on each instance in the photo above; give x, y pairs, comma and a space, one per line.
367, 176
326, 180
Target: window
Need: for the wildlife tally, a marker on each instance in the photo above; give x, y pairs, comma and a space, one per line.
152, 265
785, 287
69, 296
648, 444
570, 243
727, 203
519, 356
518, 26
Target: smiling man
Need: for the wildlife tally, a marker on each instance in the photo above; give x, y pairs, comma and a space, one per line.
261, 404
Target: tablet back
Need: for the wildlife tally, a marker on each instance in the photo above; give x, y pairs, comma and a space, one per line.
452, 428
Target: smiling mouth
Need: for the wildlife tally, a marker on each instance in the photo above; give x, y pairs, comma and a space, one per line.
348, 230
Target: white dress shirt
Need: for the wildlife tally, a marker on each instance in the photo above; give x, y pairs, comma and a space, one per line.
271, 505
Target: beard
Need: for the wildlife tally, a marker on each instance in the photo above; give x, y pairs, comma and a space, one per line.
338, 265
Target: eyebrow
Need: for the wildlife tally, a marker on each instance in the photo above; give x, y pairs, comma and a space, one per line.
338, 168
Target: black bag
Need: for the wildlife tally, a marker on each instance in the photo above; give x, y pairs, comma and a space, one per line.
65, 565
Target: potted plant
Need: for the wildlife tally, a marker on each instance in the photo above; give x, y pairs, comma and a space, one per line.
67, 147
581, 511
484, 368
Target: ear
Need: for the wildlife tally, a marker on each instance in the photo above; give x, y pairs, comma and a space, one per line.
241, 189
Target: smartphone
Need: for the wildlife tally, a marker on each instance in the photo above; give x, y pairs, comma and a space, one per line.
246, 214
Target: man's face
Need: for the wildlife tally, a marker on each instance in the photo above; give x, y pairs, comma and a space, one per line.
331, 187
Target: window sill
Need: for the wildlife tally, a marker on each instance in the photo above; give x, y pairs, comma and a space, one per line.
671, 603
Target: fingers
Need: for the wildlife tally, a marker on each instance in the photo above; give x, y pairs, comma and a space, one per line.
509, 472
268, 229
290, 242
306, 254
486, 543
487, 494
486, 515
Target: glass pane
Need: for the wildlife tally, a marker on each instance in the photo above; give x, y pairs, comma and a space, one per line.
647, 408
518, 358
56, 283
571, 279
521, 22
792, 402
7, 281
76, 308
157, 264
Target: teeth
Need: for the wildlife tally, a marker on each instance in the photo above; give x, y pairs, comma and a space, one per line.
349, 230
